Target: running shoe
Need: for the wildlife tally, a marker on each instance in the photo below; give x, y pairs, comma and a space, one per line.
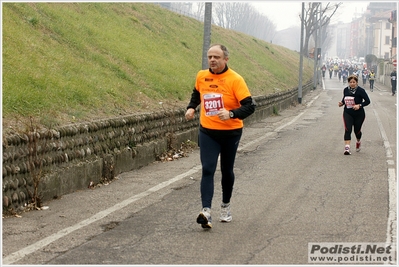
204, 218
225, 214
347, 150
358, 144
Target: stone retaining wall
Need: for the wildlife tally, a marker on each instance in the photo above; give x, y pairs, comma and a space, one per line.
69, 158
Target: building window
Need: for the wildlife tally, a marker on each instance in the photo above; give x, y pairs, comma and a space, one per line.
386, 56
387, 40
387, 25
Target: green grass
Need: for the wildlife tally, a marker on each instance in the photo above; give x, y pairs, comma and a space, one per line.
69, 62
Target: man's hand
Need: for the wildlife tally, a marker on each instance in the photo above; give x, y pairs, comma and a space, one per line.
190, 114
224, 114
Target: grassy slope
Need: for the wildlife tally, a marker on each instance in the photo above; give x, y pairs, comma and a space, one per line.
69, 62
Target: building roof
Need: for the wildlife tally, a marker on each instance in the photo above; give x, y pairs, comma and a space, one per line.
384, 16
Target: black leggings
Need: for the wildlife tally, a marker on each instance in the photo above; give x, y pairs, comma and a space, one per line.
210, 148
353, 121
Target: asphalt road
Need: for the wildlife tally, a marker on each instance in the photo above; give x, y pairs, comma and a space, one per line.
294, 186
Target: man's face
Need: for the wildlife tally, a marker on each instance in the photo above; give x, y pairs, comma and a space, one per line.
216, 60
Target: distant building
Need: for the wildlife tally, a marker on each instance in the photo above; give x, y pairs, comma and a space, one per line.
381, 34
380, 29
375, 32
343, 40
394, 20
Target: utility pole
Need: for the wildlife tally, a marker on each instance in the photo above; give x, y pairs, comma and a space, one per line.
315, 48
319, 47
368, 41
380, 38
207, 34
301, 57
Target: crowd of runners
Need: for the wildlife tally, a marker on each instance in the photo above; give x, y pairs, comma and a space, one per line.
342, 69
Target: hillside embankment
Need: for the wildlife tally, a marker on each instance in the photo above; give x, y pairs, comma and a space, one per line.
91, 90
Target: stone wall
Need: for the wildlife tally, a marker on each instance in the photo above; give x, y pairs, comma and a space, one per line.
65, 159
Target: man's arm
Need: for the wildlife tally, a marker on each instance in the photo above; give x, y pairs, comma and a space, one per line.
247, 108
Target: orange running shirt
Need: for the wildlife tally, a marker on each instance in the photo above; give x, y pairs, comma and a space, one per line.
218, 91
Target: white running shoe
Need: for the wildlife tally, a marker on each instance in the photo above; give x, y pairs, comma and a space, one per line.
347, 150
225, 214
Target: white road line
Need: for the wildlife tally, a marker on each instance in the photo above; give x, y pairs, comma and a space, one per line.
311, 102
255, 141
387, 146
391, 227
13, 257
391, 224
391, 231
20, 254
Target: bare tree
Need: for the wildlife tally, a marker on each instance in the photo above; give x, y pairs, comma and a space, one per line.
255, 24
199, 10
316, 16
183, 7
327, 36
243, 17
219, 15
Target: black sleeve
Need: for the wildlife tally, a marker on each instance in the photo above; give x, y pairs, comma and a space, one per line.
343, 97
247, 108
195, 99
366, 99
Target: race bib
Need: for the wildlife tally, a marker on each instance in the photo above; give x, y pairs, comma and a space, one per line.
212, 104
349, 101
